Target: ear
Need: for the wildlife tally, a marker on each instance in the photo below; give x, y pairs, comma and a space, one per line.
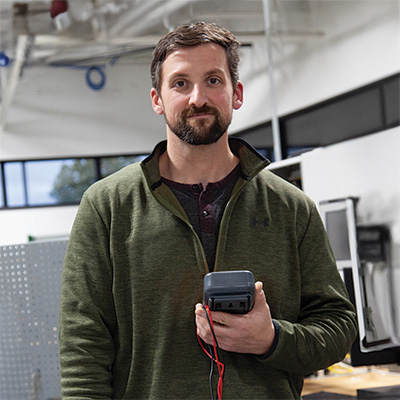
238, 96
156, 102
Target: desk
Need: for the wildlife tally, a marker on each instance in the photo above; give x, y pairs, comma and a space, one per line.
349, 383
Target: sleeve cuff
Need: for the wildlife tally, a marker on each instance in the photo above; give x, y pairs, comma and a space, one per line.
274, 343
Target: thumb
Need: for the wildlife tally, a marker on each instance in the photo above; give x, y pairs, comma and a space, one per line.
259, 296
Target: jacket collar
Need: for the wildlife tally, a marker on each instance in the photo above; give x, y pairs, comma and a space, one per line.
251, 161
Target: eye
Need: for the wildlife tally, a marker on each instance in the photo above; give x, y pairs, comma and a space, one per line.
180, 84
214, 81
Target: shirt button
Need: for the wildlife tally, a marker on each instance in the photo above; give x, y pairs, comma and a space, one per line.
195, 187
205, 213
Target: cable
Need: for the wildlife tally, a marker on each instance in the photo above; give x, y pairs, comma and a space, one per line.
211, 373
215, 356
91, 82
210, 354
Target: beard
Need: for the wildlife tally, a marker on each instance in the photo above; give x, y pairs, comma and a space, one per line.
199, 132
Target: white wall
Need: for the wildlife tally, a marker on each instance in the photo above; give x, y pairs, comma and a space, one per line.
16, 226
367, 168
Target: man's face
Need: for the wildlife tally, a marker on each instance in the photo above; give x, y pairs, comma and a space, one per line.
197, 97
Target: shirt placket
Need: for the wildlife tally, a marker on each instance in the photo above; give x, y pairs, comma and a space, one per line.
206, 210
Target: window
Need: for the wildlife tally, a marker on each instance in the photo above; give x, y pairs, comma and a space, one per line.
58, 181
1, 192
72, 179
366, 110
391, 96
15, 183
109, 165
37, 183
335, 121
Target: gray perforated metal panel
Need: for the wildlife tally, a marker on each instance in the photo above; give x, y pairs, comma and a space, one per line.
30, 281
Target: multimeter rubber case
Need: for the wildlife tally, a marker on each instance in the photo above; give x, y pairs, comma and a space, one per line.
229, 291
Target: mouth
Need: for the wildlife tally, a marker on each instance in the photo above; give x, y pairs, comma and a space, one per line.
199, 116
200, 112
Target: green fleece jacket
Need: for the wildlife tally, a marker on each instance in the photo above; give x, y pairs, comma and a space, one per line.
134, 271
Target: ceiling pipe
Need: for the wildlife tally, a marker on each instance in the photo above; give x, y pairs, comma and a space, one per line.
166, 10
276, 136
136, 14
142, 23
16, 68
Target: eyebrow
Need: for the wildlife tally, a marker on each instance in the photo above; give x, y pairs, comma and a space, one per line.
178, 75
215, 71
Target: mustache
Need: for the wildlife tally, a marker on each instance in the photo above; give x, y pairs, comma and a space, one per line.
190, 112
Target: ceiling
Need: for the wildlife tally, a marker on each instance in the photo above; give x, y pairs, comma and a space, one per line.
92, 30
92, 33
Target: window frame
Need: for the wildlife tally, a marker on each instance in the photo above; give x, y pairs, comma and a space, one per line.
97, 176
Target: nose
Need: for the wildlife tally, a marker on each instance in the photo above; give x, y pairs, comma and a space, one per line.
197, 96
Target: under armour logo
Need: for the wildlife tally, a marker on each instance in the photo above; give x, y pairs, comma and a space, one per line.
259, 221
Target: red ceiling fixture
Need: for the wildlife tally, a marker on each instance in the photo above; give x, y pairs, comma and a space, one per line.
58, 7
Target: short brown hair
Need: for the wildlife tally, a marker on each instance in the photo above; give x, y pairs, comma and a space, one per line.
194, 35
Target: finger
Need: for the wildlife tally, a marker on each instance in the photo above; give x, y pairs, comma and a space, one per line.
259, 290
217, 316
259, 297
202, 324
199, 310
203, 330
200, 317
222, 318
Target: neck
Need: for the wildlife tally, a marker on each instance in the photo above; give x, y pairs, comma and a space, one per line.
186, 163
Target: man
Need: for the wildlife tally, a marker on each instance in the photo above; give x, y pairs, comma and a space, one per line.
144, 238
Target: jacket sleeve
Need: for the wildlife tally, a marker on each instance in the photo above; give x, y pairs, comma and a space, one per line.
326, 325
87, 317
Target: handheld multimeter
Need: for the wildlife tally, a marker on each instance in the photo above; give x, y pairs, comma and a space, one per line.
229, 291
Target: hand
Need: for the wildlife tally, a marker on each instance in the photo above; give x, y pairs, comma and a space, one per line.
251, 333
